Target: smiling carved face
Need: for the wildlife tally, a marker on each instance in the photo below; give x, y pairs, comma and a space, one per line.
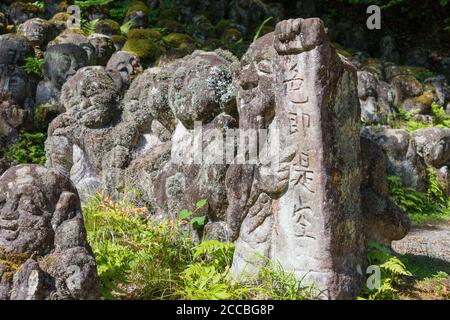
255, 82
27, 203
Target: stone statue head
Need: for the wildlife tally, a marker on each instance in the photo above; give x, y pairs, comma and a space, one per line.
202, 87
62, 61
38, 31
14, 49
104, 48
75, 36
123, 67
15, 82
29, 199
255, 81
90, 96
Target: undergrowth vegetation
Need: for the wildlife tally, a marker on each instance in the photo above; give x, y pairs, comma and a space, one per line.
421, 206
29, 148
141, 258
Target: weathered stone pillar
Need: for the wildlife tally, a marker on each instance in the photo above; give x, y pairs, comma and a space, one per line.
318, 219
316, 224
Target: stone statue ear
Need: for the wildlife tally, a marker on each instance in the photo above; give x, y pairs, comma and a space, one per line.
68, 207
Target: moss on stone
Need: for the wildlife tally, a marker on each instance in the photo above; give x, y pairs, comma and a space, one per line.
26, 7
145, 49
137, 6
12, 261
46, 262
110, 24
170, 25
211, 44
178, 40
149, 34
59, 17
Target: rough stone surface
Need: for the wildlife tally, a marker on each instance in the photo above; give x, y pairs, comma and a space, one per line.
61, 62
43, 249
305, 212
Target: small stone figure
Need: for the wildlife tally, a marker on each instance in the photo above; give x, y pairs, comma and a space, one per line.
61, 61
44, 253
14, 49
123, 67
38, 32
104, 48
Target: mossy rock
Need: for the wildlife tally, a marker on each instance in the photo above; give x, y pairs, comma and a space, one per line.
108, 27
119, 41
60, 17
11, 261
212, 44
172, 26
178, 40
144, 34
421, 74
138, 6
29, 7
146, 50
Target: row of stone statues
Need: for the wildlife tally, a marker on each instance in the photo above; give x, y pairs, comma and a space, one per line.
310, 212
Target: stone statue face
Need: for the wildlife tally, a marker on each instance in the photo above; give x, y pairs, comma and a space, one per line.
256, 78
14, 82
104, 48
201, 88
62, 61
14, 49
91, 95
26, 207
70, 37
125, 65
37, 31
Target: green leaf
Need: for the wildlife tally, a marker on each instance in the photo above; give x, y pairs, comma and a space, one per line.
184, 214
200, 204
198, 222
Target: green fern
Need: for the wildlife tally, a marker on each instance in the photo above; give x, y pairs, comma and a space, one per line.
88, 27
392, 271
85, 4
33, 66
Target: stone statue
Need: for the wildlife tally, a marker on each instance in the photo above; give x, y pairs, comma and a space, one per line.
123, 67
104, 48
60, 62
38, 32
43, 249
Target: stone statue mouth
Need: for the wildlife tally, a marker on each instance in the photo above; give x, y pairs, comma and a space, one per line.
10, 225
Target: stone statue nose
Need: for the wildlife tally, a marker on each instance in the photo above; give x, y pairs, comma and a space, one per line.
249, 79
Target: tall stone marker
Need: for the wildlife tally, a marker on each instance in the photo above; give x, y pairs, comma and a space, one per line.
314, 224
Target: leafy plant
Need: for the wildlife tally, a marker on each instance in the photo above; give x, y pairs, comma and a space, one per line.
392, 270
441, 118
29, 148
85, 4
88, 27
420, 206
125, 28
136, 257
38, 4
196, 222
33, 66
